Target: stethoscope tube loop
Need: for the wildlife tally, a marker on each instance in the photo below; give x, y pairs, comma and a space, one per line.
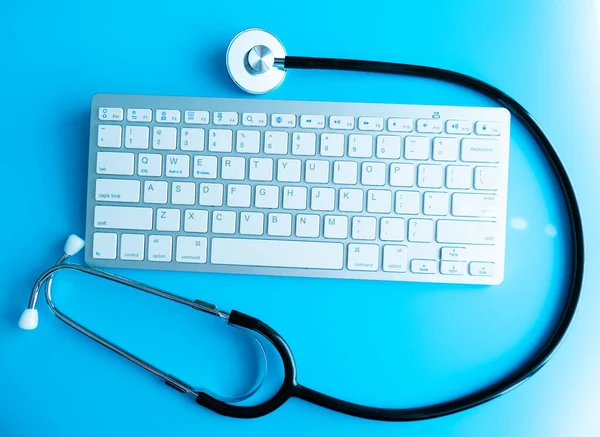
46, 280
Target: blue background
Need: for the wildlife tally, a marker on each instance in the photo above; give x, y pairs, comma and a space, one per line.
381, 344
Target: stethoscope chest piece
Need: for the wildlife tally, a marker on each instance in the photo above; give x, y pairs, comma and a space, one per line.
252, 61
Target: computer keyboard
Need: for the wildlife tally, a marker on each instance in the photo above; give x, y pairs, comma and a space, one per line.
321, 189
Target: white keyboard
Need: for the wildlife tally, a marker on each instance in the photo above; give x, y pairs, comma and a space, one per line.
348, 190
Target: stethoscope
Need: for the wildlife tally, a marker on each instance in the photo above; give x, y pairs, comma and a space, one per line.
257, 62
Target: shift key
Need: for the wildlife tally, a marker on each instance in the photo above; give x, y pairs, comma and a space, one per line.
466, 232
123, 217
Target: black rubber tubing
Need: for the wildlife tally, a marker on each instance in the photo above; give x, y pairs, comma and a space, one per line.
291, 388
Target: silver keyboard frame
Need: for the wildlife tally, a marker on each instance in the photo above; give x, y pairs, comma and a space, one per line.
356, 110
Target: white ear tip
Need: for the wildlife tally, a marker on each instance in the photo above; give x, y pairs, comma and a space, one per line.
29, 320
73, 245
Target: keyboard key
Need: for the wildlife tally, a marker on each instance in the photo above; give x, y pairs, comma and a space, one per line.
466, 232
266, 196
197, 117
279, 225
364, 257
123, 217
233, 168
395, 258
373, 173
155, 192
164, 138
304, 143
205, 167
430, 176
475, 205
247, 141
294, 197
345, 172
445, 149
392, 229
117, 190
168, 116
183, 193
115, 163
105, 245
458, 176
239, 195
476, 150
223, 222
196, 220
379, 201
168, 219
459, 127
312, 121
360, 146
254, 119
332, 145
322, 199
408, 202
400, 125
137, 137
435, 203
252, 223
388, 146
225, 118
149, 164
289, 170
160, 248
364, 228
211, 195
191, 250
109, 136
402, 175
192, 139
220, 140
370, 123
487, 178
283, 120
110, 114
454, 253
137, 115
429, 125
453, 268
336, 226
178, 166
132, 247
417, 148
424, 266
482, 269
341, 122
261, 169
317, 172
276, 143
487, 128
277, 253
351, 200
420, 230
308, 225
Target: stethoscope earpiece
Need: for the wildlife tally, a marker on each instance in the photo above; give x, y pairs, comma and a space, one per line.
255, 61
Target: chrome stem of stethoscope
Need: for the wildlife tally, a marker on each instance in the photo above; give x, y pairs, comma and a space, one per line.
29, 320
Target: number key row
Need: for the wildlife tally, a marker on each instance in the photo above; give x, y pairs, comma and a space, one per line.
302, 143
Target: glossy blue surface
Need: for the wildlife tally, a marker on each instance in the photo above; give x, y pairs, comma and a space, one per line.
384, 344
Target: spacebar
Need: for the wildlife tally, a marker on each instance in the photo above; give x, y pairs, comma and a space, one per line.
277, 253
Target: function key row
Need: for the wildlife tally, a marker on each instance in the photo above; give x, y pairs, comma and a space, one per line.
336, 122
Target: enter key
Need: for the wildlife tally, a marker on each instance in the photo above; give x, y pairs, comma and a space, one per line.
474, 205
